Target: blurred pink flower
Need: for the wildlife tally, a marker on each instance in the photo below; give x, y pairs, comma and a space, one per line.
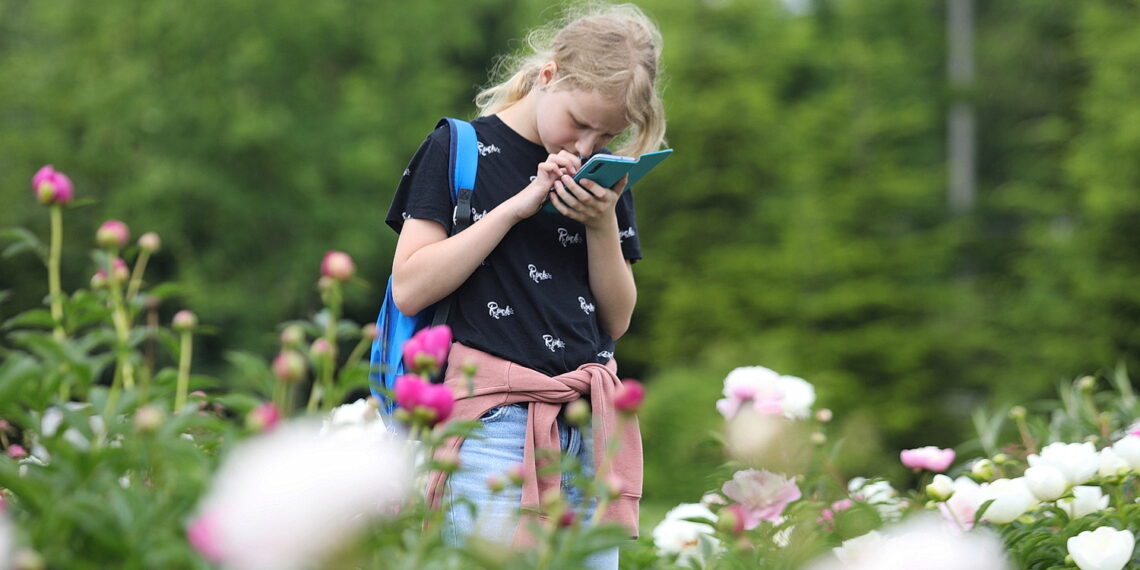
431, 402
52, 187
763, 494
767, 392
184, 321
263, 418
735, 519
962, 507
113, 234
828, 514
427, 350
288, 499
629, 397
289, 366
929, 458
16, 451
338, 265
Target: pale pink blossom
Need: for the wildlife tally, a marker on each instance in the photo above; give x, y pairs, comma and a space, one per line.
930, 458
962, 507
763, 494
289, 366
112, 234
766, 391
184, 321
338, 265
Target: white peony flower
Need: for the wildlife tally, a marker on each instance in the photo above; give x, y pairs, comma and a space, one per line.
360, 418
52, 420
878, 494
921, 542
961, 508
1046, 482
1102, 549
1011, 498
1078, 461
286, 499
1086, 500
689, 540
1128, 448
1109, 464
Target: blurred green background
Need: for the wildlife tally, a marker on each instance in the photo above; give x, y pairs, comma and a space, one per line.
804, 223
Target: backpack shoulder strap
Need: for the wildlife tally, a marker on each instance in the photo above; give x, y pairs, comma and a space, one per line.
464, 164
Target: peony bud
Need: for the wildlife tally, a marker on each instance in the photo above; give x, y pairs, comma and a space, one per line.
369, 331
1086, 383
51, 187
99, 280
427, 350
447, 461
338, 265
430, 403
113, 234
16, 451
629, 396
320, 349
568, 518
293, 336
496, 483
578, 412
1017, 413
263, 418
148, 418
150, 242
823, 415
289, 366
982, 470
731, 519
515, 475
941, 488
184, 321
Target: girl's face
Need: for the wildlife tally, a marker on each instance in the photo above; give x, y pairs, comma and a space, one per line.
577, 121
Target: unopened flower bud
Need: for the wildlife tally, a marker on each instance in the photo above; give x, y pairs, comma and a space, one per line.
113, 234
99, 280
1086, 383
293, 336
823, 415
982, 470
568, 518
338, 265
289, 366
447, 461
150, 242
263, 418
496, 483
320, 350
941, 488
629, 396
515, 475
184, 321
818, 438
369, 331
148, 418
1017, 413
51, 187
119, 270
578, 412
731, 519
16, 451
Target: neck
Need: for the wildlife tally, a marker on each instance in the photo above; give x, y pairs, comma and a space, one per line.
520, 118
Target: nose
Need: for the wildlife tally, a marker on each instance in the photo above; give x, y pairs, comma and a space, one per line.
585, 145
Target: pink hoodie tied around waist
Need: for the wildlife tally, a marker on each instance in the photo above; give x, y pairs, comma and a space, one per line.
499, 382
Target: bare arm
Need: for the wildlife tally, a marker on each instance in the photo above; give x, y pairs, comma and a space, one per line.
429, 265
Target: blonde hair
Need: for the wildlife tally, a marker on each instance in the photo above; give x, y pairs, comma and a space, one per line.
613, 50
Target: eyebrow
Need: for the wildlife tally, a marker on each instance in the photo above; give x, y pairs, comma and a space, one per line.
578, 120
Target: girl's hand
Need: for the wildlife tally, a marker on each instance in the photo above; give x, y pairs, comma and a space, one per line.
531, 198
589, 202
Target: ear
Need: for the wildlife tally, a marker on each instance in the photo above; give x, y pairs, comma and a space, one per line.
547, 74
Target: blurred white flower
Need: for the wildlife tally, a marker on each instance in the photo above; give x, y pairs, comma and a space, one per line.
1086, 500
878, 494
1046, 482
940, 488
1078, 461
691, 541
1102, 549
283, 500
1128, 448
353, 420
922, 542
962, 506
1011, 498
53, 419
764, 388
1109, 464
5, 541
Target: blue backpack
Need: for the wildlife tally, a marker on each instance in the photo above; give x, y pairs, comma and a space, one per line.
393, 327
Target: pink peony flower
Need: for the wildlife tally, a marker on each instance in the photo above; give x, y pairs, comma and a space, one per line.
338, 265
113, 234
763, 494
767, 392
431, 402
962, 507
52, 187
16, 451
929, 458
629, 396
427, 350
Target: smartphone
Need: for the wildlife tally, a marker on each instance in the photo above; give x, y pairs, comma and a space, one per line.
608, 169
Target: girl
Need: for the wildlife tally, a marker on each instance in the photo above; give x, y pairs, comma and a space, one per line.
539, 296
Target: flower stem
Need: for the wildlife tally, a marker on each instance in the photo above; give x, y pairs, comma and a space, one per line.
183, 371
136, 276
55, 255
122, 333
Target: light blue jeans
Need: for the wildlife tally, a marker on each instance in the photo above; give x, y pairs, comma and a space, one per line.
499, 448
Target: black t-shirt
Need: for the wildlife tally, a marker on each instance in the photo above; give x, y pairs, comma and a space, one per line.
530, 301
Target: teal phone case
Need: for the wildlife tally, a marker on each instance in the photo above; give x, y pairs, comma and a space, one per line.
607, 170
